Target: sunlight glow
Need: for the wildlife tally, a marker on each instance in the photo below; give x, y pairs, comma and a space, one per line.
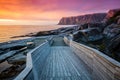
7, 20
25, 22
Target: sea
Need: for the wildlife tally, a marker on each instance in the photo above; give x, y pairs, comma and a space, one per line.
8, 31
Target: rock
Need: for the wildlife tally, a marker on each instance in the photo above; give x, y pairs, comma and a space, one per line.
44, 33
14, 46
111, 30
9, 54
4, 65
91, 34
17, 59
11, 72
99, 26
1, 51
114, 47
5, 56
112, 16
89, 18
112, 13
64, 30
118, 21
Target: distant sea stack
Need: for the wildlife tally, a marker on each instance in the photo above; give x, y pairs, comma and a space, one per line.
88, 18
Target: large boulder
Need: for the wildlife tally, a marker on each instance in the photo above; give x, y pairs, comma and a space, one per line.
112, 16
113, 13
118, 20
5, 56
17, 59
11, 72
99, 25
91, 34
111, 30
114, 47
14, 46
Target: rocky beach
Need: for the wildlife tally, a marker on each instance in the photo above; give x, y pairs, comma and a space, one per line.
13, 56
99, 30
13, 53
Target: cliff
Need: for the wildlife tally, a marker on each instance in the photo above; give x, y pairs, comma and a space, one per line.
113, 16
89, 18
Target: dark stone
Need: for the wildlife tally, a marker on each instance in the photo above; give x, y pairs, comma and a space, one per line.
11, 72
112, 16
111, 30
91, 34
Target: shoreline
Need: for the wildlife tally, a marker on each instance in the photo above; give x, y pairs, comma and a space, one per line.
19, 48
16, 61
30, 33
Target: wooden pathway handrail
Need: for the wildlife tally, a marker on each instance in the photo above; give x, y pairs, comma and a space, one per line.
29, 64
102, 67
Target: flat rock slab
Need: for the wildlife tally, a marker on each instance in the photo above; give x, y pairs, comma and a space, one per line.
7, 55
4, 65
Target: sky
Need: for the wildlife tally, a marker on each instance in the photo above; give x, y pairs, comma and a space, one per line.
50, 11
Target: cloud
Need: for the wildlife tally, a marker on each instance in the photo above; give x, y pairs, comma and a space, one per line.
52, 9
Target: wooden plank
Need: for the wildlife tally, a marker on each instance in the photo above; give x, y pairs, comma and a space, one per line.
62, 64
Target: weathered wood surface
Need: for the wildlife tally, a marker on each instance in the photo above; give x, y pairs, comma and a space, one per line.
101, 66
58, 62
63, 64
29, 72
58, 41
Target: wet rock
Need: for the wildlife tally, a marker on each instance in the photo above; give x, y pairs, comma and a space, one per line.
114, 47
11, 72
14, 46
44, 33
17, 59
4, 65
5, 56
112, 16
1, 52
91, 34
118, 20
99, 25
9, 54
111, 30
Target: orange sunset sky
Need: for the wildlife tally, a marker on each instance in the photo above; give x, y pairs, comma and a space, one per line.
50, 11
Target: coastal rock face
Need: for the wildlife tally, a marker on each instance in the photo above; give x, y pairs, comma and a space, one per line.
112, 16
112, 13
114, 47
113, 23
98, 25
118, 19
17, 59
115, 44
112, 30
89, 18
91, 34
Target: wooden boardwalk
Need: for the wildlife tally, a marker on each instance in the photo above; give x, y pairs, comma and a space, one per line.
63, 64
58, 61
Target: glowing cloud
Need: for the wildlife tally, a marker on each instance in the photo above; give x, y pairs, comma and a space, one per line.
52, 9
